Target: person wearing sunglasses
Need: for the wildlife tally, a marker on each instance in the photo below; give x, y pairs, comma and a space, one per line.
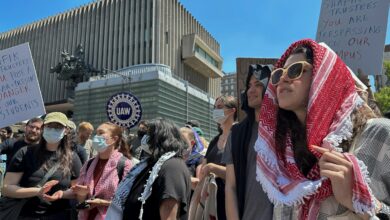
245, 199
293, 72
320, 148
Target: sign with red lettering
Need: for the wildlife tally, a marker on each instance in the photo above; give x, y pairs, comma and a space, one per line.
356, 31
20, 95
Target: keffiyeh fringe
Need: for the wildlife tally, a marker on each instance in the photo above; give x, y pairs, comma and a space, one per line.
289, 188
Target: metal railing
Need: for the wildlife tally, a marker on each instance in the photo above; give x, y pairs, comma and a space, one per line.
128, 72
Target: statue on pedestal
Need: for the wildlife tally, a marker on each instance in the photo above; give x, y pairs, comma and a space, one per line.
73, 68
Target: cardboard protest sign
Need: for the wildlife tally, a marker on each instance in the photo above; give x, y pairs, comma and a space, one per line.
20, 95
356, 31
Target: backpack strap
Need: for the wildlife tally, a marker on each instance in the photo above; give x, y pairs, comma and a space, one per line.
120, 167
49, 174
89, 164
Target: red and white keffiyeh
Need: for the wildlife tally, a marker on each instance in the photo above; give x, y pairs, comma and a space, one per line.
332, 99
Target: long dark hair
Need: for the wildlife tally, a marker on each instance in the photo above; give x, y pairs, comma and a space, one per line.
289, 125
63, 156
164, 136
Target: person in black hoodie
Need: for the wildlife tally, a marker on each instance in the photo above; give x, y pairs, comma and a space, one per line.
245, 199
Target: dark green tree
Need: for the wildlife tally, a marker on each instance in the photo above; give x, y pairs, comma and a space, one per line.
386, 66
383, 99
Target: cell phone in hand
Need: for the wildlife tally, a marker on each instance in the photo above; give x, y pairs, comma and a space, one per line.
83, 205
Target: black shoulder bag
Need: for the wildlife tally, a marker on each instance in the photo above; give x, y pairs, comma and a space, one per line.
10, 208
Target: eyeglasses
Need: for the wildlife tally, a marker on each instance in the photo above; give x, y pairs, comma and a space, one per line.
32, 127
293, 72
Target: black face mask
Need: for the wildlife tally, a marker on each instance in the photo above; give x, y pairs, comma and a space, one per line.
141, 133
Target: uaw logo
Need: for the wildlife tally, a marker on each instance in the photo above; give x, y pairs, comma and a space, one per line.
124, 109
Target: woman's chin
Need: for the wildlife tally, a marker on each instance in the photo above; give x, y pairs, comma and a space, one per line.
285, 105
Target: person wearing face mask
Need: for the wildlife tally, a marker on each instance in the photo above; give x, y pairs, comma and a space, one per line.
225, 114
100, 176
194, 155
32, 163
158, 187
136, 144
144, 149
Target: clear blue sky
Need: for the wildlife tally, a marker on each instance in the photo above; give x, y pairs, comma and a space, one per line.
245, 28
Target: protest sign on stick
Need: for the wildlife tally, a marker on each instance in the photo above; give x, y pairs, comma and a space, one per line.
20, 95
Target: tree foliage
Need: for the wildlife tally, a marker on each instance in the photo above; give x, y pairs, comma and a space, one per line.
386, 65
383, 98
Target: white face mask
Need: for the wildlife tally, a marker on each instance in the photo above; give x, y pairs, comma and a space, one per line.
53, 135
99, 143
219, 116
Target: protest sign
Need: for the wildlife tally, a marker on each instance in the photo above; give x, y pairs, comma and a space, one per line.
20, 95
356, 31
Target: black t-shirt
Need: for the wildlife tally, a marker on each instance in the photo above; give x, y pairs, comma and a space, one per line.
25, 160
192, 167
81, 152
173, 181
10, 147
214, 154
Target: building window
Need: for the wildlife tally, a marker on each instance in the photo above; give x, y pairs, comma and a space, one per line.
205, 55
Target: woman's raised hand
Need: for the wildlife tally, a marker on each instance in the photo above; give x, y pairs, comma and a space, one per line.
80, 190
56, 196
339, 170
47, 187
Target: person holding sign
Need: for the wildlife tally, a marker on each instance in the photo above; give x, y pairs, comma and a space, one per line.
52, 161
319, 147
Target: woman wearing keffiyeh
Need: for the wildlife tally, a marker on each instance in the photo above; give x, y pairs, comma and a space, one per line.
310, 120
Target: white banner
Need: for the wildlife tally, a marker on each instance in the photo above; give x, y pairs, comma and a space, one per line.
20, 95
356, 31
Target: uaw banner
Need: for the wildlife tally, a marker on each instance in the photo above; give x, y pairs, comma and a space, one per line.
20, 95
124, 109
356, 31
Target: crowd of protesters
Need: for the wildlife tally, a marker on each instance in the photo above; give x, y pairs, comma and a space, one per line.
309, 147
